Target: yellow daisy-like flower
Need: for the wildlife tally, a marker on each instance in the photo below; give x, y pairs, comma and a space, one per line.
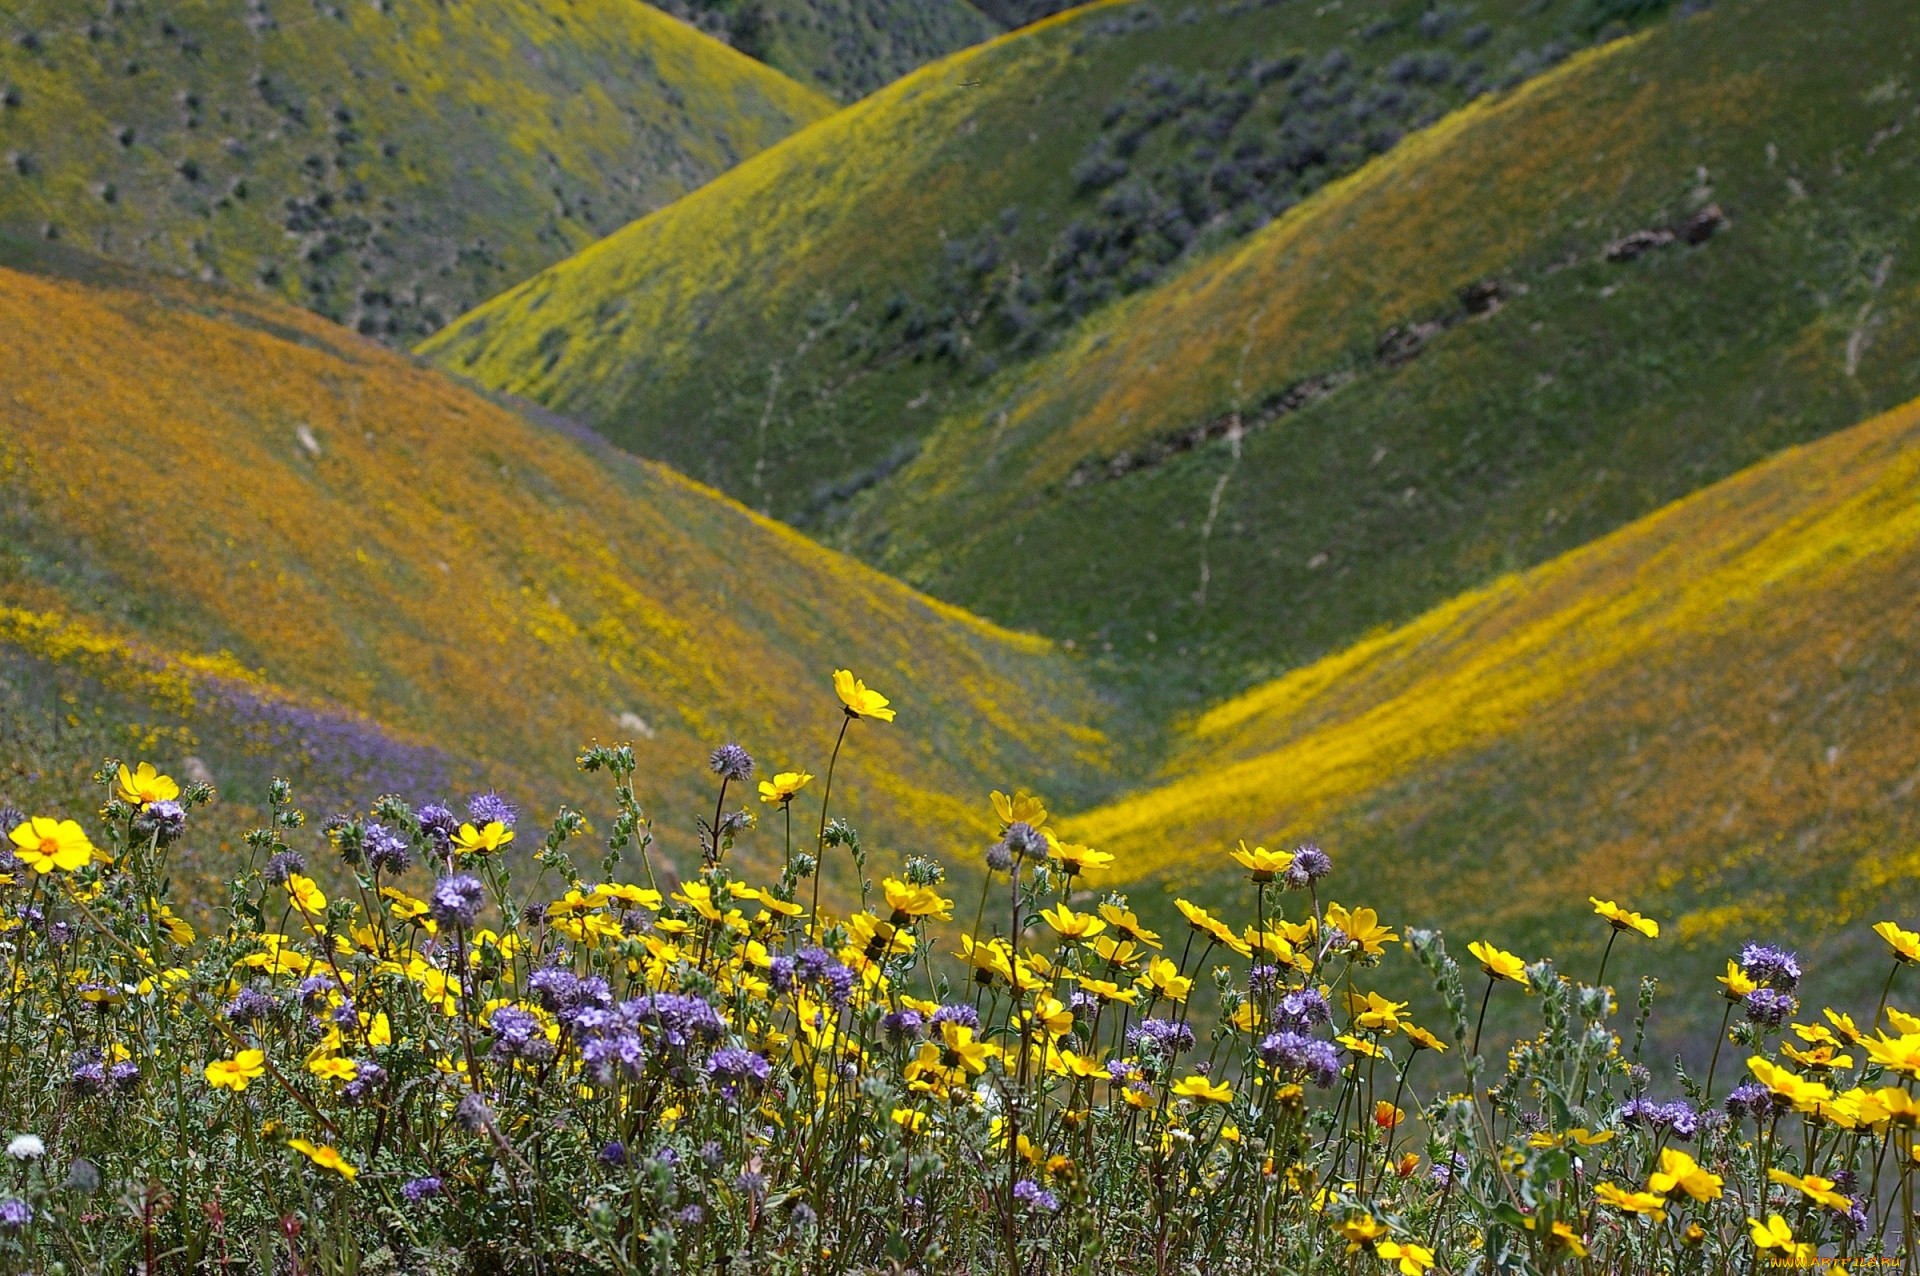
861, 701
1262, 865
1077, 860
44, 845
1071, 926
333, 1068
482, 841
1106, 990
144, 785
327, 1158
1387, 1116
1422, 1038
1207, 924
306, 895
1651, 1204
1774, 1234
234, 1074
1678, 1170
910, 1121
1905, 943
1360, 1229
1734, 985
908, 902
1198, 1087
1814, 1188
1021, 808
1623, 919
782, 787
1499, 963
1361, 926
1165, 979
1411, 1259
1373, 1012
1127, 925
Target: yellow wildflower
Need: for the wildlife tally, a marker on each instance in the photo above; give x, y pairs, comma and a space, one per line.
1905, 943
326, 1158
1622, 919
47, 844
1774, 1234
1198, 1087
145, 785
1678, 1170
305, 895
1021, 808
908, 902
1412, 1259
1361, 926
1499, 963
1262, 865
1071, 926
1652, 1205
1814, 1188
234, 1074
783, 787
860, 700
482, 841
1734, 984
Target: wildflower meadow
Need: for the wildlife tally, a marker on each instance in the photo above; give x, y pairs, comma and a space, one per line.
415, 1040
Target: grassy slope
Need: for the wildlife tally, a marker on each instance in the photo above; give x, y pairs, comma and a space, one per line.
1598, 392
1710, 714
388, 165
847, 48
788, 332
487, 591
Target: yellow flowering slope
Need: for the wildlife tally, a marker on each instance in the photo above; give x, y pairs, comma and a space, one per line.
284, 504
1711, 707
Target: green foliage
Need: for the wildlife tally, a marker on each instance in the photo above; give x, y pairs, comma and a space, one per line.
847, 48
531, 1071
386, 164
792, 332
1439, 374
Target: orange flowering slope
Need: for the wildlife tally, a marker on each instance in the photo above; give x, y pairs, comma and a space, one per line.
226, 479
1711, 712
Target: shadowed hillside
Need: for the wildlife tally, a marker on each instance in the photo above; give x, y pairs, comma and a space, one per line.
1542, 318
1710, 714
272, 535
847, 48
387, 165
792, 331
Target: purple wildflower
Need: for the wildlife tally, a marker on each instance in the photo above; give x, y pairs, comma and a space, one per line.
456, 900
490, 808
780, 974
902, 1026
615, 1153
15, 1214
162, 821
608, 1058
963, 1014
420, 1189
1163, 1038
1774, 967
1302, 1009
1035, 1197
283, 866
517, 1035
251, 1006
124, 1075
731, 762
1769, 1008
386, 849
1023, 841
735, 1068
439, 824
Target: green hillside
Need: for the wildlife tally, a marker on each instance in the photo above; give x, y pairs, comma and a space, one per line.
1708, 715
847, 48
387, 165
231, 531
1451, 365
791, 332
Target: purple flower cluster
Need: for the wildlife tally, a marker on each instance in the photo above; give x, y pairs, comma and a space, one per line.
282, 866
1317, 1060
1774, 967
731, 762
1035, 1197
386, 850
902, 1027
617, 1042
1163, 1038
1302, 1010
456, 900
1751, 1100
1769, 1007
1022, 841
15, 1214
1310, 864
161, 821
421, 1189
961, 1013
1678, 1117
250, 1005
517, 1034
490, 808
735, 1068
439, 824
368, 1078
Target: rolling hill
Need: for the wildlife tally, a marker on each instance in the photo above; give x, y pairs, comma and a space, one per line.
228, 525
387, 165
1710, 713
847, 48
1545, 316
790, 332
